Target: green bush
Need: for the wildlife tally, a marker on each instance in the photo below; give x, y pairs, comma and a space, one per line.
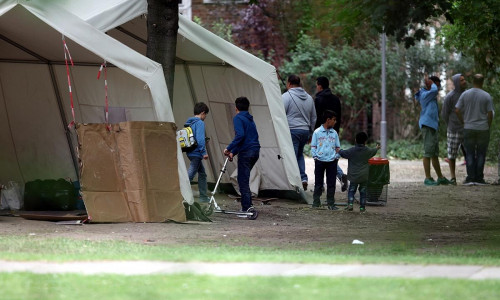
400, 149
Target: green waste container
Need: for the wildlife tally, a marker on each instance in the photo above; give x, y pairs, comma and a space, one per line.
378, 179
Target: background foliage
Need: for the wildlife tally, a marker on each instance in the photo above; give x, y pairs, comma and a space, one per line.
340, 39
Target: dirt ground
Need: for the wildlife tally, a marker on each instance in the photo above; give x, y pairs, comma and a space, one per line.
441, 215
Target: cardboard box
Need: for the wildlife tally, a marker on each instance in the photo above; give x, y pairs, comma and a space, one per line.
130, 173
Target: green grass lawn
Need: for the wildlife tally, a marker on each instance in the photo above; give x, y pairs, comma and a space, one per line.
24, 248
21, 285
28, 286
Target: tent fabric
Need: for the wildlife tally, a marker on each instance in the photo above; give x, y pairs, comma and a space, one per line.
34, 88
214, 71
33, 78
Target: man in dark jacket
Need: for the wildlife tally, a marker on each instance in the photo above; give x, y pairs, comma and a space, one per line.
323, 101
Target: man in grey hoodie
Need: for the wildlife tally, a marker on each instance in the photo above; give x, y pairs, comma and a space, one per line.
301, 116
455, 129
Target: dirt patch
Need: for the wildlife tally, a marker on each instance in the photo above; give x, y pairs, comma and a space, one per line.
442, 215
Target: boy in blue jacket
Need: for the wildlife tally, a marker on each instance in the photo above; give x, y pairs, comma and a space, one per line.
246, 145
197, 156
324, 147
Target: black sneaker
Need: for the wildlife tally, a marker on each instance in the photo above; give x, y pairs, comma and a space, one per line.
468, 182
481, 182
344, 183
332, 207
362, 210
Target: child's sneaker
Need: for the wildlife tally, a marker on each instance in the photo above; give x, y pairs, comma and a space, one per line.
430, 182
443, 181
349, 207
362, 210
453, 181
481, 182
332, 207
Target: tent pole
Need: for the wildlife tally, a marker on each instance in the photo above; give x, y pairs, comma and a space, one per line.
63, 118
383, 122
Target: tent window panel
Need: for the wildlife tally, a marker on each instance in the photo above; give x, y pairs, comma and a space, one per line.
183, 97
36, 128
222, 121
224, 84
265, 127
199, 84
271, 168
140, 114
116, 114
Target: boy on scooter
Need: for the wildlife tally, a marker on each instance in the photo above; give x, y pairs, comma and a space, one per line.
246, 145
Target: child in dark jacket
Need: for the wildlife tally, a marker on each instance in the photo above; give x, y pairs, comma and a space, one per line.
199, 154
246, 145
357, 169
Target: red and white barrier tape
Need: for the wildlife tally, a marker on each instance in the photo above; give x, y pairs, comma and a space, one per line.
66, 55
103, 66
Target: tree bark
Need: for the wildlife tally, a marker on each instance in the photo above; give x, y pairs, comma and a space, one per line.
162, 26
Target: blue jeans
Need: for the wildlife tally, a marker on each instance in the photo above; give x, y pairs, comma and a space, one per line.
319, 175
196, 166
340, 173
299, 139
476, 144
362, 193
246, 161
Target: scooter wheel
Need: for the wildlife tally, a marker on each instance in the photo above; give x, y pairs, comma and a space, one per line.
254, 214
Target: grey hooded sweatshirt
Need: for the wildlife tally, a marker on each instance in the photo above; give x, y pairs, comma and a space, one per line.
448, 111
299, 108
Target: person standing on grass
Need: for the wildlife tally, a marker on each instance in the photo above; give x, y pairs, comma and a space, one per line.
455, 129
358, 169
324, 147
246, 145
428, 123
475, 110
199, 154
325, 100
301, 116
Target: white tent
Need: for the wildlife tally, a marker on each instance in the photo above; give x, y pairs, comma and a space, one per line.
209, 69
34, 95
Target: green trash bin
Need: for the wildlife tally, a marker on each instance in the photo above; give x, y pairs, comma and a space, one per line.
378, 179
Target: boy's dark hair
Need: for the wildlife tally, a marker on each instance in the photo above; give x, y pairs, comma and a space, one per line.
200, 107
242, 103
294, 80
323, 82
436, 80
361, 137
328, 114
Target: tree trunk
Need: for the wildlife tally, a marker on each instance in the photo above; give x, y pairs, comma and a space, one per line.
163, 23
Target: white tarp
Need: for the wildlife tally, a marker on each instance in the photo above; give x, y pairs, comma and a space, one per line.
209, 69
34, 98
216, 72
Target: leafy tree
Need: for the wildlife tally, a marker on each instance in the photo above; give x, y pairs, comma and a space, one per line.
405, 20
475, 32
354, 75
